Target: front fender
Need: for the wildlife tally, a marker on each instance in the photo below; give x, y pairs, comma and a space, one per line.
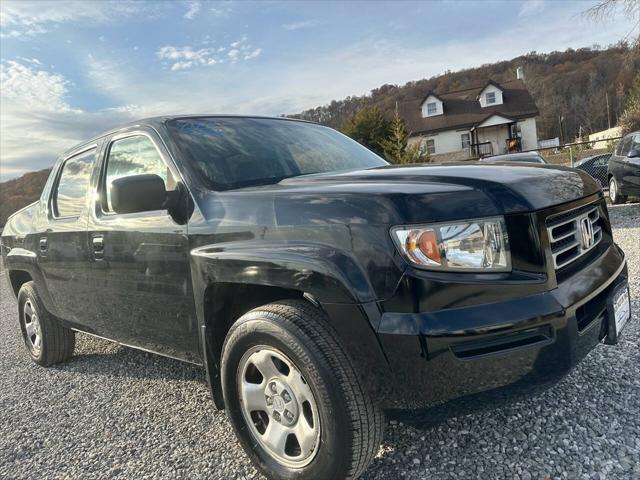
329, 275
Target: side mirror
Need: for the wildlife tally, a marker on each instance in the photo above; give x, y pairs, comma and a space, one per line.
138, 193
634, 153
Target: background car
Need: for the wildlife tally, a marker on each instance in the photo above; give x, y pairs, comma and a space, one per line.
529, 157
596, 166
623, 173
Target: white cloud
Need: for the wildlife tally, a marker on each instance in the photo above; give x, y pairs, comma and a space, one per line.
35, 89
27, 18
185, 58
38, 123
32, 61
193, 8
233, 54
222, 9
298, 25
253, 54
531, 7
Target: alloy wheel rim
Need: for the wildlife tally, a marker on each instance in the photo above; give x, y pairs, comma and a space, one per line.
279, 406
33, 331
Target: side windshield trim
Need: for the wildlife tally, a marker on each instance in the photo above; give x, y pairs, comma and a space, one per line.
56, 183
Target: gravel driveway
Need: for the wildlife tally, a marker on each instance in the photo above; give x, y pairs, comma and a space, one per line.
113, 412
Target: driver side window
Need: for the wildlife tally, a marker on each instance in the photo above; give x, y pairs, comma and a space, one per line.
135, 155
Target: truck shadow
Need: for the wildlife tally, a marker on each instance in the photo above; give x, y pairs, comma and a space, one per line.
119, 361
478, 403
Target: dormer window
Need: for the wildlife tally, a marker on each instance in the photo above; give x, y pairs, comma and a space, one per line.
490, 95
431, 106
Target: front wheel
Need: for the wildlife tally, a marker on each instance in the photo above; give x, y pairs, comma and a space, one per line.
293, 396
614, 192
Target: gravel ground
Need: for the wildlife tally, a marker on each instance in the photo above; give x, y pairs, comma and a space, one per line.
113, 412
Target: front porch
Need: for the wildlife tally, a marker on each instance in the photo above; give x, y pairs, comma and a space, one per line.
495, 135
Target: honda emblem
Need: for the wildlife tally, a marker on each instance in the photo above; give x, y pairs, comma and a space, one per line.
587, 237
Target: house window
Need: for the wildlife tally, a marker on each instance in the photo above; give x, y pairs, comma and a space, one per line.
431, 146
490, 98
432, 108
466, 140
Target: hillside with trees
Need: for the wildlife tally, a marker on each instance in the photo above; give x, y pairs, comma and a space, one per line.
20, 192
576, 85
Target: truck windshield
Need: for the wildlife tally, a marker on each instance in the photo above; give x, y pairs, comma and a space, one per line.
232, 152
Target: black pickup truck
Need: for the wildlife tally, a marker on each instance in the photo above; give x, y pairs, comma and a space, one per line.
317, 284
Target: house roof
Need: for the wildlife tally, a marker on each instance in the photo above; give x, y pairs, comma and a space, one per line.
430, 93
490, 82
462, 108
495, 114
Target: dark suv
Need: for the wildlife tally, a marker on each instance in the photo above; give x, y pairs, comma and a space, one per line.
623, 172
317, 284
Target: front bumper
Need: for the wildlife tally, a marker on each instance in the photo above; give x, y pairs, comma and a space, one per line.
441, 355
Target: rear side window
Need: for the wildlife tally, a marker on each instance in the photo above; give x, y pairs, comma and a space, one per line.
73, 183
135, 155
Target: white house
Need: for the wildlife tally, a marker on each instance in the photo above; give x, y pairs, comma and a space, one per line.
482, 120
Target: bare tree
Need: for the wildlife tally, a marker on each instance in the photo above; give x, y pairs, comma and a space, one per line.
606, 9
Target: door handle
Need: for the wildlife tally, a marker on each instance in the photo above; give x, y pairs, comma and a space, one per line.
43, 244
98, 247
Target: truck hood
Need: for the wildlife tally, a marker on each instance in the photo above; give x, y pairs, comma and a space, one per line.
513, 188
396, 195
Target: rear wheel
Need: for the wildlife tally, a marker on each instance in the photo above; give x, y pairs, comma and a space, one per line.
46, 340
294, 398
614, 192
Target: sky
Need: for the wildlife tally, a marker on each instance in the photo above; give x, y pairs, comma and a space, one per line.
70, 70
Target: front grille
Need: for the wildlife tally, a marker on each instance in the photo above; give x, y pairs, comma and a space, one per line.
573, 234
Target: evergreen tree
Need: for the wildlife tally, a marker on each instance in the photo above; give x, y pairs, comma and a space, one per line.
630, 119
396, 147
369, 126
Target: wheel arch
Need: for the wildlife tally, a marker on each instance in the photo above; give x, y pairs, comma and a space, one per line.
223, 304
17, 278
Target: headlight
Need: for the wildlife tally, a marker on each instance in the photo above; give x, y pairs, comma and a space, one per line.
472, 246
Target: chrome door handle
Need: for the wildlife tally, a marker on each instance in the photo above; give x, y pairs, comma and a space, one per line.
98, 247
43, 244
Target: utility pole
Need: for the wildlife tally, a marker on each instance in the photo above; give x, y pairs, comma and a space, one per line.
560, 125
608, 114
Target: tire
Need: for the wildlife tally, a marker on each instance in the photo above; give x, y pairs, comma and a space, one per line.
46, 340
614, 192
312, 367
